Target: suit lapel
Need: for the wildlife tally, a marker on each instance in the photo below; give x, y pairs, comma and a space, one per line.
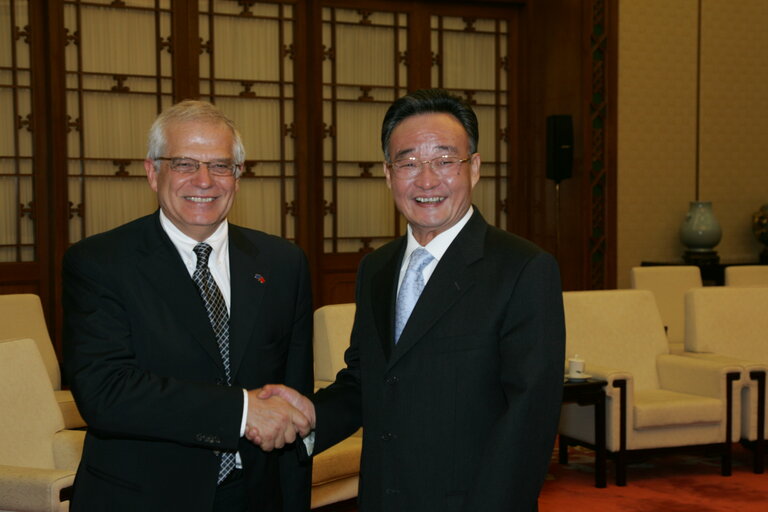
452, 277
384, 287
246, 268
165, 272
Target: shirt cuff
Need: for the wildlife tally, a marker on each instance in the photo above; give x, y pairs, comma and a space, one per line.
245, 413
309, 443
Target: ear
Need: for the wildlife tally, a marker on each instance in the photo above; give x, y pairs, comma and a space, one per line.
387, 175
149, 167
474, 168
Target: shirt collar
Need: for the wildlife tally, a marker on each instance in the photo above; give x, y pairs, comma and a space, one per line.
184, 244
438, 245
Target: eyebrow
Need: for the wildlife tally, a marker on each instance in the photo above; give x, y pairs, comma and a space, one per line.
405, 152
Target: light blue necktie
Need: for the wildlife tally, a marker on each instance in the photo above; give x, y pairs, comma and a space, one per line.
410, 288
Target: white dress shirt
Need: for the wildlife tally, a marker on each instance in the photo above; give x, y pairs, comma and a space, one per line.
218, 263
436, 247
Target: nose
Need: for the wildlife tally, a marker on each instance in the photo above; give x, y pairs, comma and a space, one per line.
202, 177
427, 178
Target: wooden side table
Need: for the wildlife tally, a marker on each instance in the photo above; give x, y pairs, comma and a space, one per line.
588, 392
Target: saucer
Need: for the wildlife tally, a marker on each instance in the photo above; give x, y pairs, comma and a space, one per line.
583, 377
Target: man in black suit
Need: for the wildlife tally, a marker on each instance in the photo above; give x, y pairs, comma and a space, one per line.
458, 399
172, 322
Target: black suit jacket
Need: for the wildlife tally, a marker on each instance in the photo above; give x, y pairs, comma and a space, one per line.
145, 370
462, 413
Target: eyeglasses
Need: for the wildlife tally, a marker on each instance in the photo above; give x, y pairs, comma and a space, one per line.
408, 168
221, 168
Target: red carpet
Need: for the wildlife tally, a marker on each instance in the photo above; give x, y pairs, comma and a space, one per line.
678, 482
687, 482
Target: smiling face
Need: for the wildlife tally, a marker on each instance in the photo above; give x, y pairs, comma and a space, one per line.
198, 202
432, 203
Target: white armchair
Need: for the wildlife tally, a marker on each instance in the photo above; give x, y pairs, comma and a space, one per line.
38, 458
746, 275
669, 284
333, 326
335, 472
654, 399
730, 325
21, 316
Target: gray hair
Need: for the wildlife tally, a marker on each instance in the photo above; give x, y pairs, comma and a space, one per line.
187, 111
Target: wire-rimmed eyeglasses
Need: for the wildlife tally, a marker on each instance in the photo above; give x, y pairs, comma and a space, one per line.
408, 168
221, 168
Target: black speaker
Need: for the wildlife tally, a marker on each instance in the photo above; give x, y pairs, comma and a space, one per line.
559, 148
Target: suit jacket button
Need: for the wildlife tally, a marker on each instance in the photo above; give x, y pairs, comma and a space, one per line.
392, 380
220, 381
387, 436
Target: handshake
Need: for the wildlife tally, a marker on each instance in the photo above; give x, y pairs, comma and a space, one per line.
276, 414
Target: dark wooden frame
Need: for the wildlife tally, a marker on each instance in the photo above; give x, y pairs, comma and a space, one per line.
591, 392
560, 73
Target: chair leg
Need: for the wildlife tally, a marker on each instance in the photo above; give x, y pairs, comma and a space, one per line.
562, 450
725, 464
759, 463
621, 455
621, 468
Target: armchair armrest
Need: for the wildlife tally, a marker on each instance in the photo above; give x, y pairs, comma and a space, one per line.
33, 488
72, 417
695, 376
611, 375
68, 449
748, 365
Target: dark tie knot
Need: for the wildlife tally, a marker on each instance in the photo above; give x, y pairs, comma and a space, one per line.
202, 250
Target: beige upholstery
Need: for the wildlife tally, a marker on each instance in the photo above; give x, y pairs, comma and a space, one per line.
746, 275
38, 458
21, 316
730, 324
670, 400
333, 326
334, 471
669, 284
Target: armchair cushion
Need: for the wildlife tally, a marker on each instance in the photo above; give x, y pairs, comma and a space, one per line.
661, 408
335, 472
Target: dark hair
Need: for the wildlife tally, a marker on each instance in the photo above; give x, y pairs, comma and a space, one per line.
426, 101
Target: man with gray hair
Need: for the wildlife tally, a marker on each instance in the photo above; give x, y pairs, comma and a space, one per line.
172, 324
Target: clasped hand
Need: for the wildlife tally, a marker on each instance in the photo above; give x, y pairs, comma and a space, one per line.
276, 415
